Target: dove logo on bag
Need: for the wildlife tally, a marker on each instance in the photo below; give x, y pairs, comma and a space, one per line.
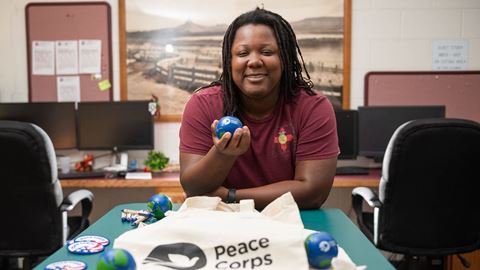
187, 256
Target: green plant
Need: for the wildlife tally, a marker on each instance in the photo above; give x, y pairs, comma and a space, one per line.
156, 161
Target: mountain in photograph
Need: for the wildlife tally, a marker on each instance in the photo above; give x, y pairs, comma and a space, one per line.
318, 25
189, 28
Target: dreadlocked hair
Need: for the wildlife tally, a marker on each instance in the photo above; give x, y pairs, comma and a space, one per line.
291, 81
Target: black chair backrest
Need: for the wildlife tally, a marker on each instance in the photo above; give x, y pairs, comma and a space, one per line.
429, 188
31, 193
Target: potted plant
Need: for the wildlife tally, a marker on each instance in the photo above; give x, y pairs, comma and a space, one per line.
156, 161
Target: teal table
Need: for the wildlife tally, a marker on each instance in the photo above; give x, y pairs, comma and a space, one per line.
334, 221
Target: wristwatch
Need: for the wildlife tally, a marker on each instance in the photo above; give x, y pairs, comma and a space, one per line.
231, 195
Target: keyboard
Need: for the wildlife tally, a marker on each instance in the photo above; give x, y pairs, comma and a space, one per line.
82, 175
351, 170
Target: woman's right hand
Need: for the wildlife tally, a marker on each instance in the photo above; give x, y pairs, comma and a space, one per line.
232, 146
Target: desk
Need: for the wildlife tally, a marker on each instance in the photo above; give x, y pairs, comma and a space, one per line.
372, 179
168, 183
334, 221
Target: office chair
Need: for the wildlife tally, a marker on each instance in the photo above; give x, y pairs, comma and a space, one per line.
34, 213
427, 204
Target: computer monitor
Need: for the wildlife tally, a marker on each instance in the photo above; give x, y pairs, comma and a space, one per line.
116, 126
56, 118
377, 124
347, 130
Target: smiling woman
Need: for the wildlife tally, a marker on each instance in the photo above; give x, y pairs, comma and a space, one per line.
170, 48
288, 142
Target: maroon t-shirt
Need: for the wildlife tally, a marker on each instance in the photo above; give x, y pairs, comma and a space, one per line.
302, 130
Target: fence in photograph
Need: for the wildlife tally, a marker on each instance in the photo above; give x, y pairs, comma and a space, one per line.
185, 78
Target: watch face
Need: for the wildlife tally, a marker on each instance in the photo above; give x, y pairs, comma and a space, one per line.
231, 195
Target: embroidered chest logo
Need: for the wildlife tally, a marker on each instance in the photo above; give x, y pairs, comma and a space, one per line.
283, 139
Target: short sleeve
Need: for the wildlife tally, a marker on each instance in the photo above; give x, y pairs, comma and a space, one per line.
195, 135
317, 131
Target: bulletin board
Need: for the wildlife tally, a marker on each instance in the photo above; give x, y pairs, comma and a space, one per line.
459, 91
53, 22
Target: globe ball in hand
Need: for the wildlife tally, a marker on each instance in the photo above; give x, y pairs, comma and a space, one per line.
116, 259
227, 124
159, 204
321, 249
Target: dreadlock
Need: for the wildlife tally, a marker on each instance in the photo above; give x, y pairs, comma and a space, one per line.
291, 81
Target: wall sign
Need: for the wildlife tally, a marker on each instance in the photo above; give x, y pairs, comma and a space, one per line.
449, 54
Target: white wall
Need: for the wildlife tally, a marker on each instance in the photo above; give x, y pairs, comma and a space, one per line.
13, 49
398, 35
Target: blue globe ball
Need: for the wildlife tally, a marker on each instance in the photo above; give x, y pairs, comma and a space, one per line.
159, 204
321, 249
227, 124
116, 259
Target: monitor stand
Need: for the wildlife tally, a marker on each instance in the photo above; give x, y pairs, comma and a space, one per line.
119, 162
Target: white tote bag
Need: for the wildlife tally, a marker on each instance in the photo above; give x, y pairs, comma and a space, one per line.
206, 233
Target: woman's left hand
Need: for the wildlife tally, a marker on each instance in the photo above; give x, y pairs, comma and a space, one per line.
232, 144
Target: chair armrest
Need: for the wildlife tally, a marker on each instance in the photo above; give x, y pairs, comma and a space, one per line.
360, 194
367, 195
82, 195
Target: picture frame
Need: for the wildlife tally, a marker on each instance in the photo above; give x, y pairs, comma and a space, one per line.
179, 47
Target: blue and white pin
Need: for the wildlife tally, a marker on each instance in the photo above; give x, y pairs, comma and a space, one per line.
66, 265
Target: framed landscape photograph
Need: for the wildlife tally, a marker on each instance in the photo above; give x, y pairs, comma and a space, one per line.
170, 48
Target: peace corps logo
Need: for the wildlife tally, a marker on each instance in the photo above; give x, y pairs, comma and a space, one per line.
187, 256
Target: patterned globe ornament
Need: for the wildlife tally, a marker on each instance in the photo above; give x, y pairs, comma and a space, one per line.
227, 124
116, 259
159, 204
321, 249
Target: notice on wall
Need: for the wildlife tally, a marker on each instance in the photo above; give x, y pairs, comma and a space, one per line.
90, 56
66, 56
43, 56
449, 54
68, 89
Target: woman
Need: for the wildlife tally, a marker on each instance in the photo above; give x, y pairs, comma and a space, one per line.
288, 141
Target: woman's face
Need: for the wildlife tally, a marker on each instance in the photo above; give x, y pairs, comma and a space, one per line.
256, 64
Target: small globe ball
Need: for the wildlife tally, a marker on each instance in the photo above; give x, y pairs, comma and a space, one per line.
159, 204
321, 249
116, 259
227, 124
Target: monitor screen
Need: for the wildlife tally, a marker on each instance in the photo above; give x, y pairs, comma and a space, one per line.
377, 124
347, 129
115, 125
56, 118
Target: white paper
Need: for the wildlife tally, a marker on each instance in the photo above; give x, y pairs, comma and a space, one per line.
66, 56
68, 88
90, 55
43, 58
449, 54
138, 175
